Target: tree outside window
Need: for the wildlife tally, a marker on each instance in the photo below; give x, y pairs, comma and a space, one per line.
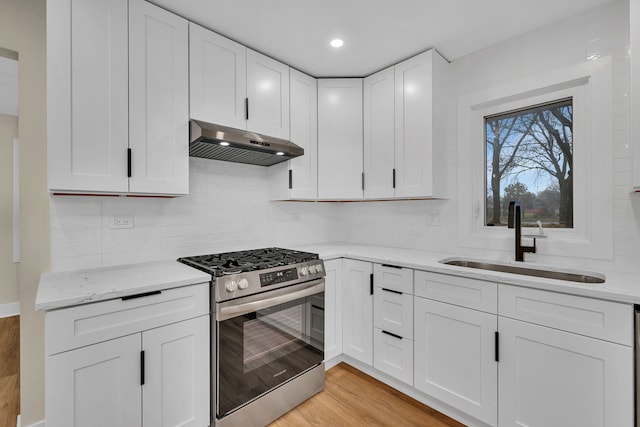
529, 158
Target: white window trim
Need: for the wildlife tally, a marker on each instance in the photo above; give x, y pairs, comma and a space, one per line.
590, 85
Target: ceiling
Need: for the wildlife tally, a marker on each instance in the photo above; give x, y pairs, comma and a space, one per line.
376, 33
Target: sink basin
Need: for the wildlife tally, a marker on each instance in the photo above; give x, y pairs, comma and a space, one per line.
572, 276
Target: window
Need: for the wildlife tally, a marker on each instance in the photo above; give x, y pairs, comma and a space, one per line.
529, 158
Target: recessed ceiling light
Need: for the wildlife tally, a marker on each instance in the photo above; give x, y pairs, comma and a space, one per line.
337, 43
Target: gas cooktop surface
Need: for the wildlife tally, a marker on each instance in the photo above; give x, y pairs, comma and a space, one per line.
228, 263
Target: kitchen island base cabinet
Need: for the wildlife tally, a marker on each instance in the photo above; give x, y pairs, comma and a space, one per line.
455, 357
553, 378
357, 310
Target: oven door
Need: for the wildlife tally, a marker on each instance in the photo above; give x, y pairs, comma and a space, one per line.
266, 339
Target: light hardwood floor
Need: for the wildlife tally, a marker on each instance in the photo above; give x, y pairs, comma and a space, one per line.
352, 398
9, 370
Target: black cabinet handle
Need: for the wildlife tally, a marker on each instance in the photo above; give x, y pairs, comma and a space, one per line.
128, 162
246, 108
371, 284
290, 179
317, 307
497, 344
394, 178
392, 266
393, 335
142, 367
392, 291
362, 181
142, 295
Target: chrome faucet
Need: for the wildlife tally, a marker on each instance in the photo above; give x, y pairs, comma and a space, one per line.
515, 221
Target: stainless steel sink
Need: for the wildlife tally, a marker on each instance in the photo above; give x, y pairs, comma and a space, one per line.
572, 276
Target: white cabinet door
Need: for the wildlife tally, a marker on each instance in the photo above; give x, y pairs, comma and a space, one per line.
379, 121
217, 78
554, 378
357, 310
87, 95
393, 355
98, 385
455, 357
340, 139
268, 93
333, 309
634, 36
421, 99
158, 100
304, 132
176, 388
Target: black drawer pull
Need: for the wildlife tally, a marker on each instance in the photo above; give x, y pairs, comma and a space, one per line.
317, 307
392, 291
142, 295
391, 266
393, 335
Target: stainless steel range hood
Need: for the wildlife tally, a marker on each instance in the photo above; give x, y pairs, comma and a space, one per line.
212, 141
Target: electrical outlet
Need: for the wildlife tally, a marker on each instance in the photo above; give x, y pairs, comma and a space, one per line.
124, 221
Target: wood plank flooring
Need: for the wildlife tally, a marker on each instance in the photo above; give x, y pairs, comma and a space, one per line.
352, 398
9, 370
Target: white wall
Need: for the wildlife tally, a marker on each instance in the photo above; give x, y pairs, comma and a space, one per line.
433, 225
228, 208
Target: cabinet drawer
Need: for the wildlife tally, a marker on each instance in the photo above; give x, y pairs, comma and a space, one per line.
395, 278
393, 355
91, 323
393, 312
471, 293
605, 320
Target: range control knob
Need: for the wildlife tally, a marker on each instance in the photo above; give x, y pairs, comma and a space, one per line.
243, 284
312, 269
303, 271
230, 286
319, 268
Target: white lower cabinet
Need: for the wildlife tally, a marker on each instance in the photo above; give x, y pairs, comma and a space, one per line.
156, 374
333, 309
555, 378
393, 355
357, 310
455, 357
98, 385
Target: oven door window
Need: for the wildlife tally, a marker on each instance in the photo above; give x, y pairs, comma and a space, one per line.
263, 349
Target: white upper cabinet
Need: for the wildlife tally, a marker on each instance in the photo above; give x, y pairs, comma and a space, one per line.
421, 99
158, 100
217, 78
87, 95
340, 139
117, 77
233, 86
268, 94
379, 122
303, 175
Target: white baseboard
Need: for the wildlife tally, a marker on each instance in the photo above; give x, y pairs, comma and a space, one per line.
38, 424
8, 310
18, 422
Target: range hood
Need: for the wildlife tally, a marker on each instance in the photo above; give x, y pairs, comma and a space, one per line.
211, 141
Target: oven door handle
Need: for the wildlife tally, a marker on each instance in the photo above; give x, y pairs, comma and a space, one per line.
249, 307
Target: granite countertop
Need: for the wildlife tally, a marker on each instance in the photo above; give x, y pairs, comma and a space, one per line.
619, 287
69, 288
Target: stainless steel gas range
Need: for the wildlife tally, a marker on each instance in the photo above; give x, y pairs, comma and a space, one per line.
267, 325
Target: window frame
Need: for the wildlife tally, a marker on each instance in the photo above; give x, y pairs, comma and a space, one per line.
589, 84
